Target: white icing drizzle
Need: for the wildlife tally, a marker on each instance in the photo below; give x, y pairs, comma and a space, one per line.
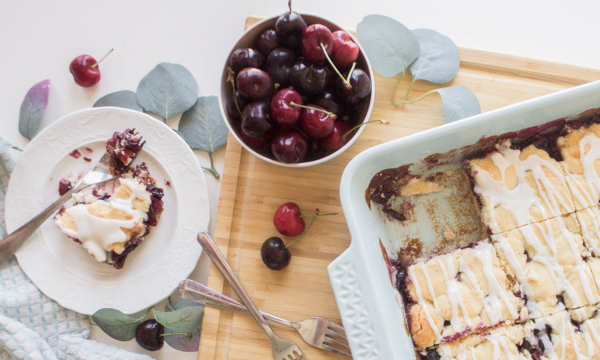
432, 292
587, 161
454, 295
97, 234
421, 301
594, 215
519, 200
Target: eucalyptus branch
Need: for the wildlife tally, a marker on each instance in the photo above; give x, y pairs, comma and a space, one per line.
212, 169
397, 103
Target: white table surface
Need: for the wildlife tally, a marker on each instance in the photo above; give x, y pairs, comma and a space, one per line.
38, 40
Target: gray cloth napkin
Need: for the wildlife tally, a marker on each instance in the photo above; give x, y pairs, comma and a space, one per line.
34, 327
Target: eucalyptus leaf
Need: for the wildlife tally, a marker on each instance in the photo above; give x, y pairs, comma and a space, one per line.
4, 146
167, 90
183, 342
390, 46
459, 103
438, 59
116, 324
123, 99
33, 109
203, 126
184, 320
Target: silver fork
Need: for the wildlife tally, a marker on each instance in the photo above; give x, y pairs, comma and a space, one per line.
98, 175
282, 349
315, 331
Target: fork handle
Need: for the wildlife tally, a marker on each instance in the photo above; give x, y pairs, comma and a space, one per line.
12, 242
219, 260
194, 291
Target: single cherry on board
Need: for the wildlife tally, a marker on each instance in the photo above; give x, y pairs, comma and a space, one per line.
287, 220
345, 51
86, 70
149, 335
275, 254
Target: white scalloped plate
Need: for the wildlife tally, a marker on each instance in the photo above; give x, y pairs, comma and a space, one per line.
371, 309
61, 268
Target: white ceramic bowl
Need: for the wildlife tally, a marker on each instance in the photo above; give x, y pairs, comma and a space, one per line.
248, 39
371, 308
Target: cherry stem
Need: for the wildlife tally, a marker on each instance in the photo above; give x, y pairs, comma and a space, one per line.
303, 216
331, 115
397, 103
146, 314
385, 122
231, 80
290, 5
171, 334
18, 149
99, 61
314, 217
346, 83
350, 73
212, 169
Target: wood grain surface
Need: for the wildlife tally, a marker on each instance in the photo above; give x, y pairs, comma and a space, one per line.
252, 190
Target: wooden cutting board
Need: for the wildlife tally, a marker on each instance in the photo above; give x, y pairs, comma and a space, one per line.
252, 189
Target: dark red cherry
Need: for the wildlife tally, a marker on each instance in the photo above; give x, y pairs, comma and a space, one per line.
282, 112
309, 79
258, 143
246, 57
289, 147
329, 102
83, 73
334, 141
267, 41
287, 220
230, 104
256, 119
279, 66
345, 51
274, 254
361, 87
254, 84
148, 335
312, 38
316, 123
289, 27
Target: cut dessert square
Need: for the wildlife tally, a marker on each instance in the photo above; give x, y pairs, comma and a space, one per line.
589, 220
500, 343
519, 187
111, 225
568, 335
547, 259
452, 295
580, 149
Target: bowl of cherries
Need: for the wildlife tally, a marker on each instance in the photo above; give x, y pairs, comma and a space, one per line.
295, 89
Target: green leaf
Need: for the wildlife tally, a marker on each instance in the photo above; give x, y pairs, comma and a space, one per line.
459, 103
390, 46
123, 99
184, 320
116, 324
183, 342
203, 126
33, 109
438, 59
167, 90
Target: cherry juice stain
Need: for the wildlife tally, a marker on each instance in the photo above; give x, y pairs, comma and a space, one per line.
75, 153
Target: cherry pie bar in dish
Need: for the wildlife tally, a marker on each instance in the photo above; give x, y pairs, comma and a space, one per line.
110, 225
530, 288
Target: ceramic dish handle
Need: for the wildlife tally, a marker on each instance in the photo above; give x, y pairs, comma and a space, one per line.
350, 289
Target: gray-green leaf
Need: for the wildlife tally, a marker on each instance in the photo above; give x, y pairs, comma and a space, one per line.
183, 342
203, 126
123, 99
390, 46
4, 146
116, 324
184, 320
167, 90
438, 59
33, 109
459, 103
